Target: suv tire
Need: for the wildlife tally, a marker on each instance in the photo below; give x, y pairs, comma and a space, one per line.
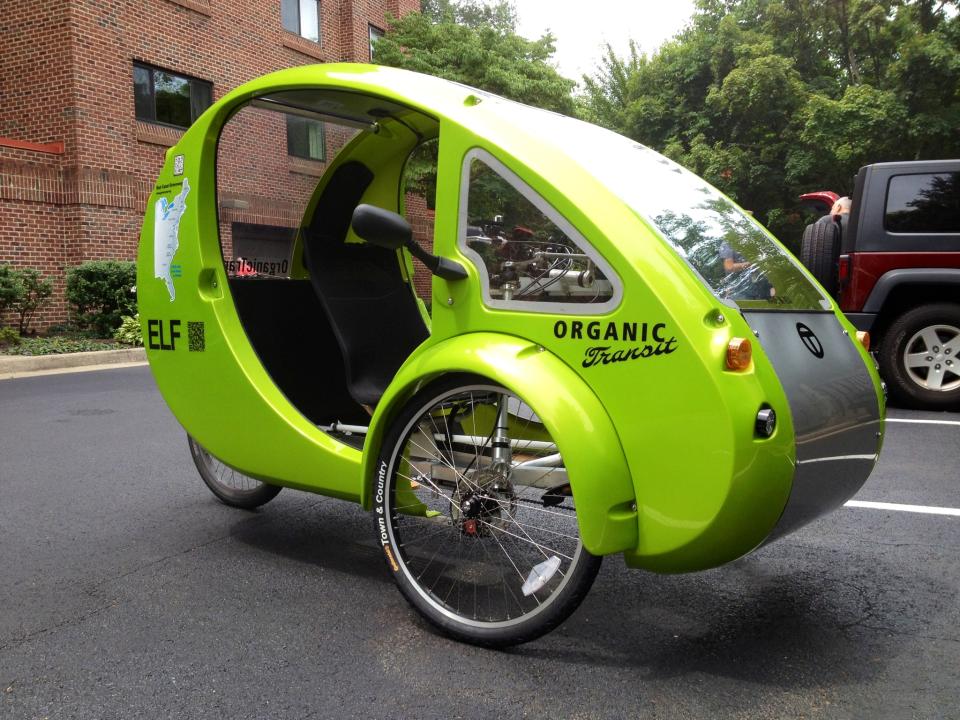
918, 357
820, 252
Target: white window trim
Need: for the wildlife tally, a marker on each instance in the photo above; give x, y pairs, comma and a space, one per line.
554, 308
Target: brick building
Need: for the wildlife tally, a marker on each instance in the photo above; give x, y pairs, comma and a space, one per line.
93, 92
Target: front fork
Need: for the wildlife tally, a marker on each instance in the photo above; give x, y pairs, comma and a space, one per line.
500, 443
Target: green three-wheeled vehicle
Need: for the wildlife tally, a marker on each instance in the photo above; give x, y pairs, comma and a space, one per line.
609, 356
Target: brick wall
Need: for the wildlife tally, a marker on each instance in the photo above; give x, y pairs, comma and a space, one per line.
66, 76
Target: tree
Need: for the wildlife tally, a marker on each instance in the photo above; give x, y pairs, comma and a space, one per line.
770, 98
477, 45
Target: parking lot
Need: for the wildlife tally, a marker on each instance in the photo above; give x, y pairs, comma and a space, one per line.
128, 591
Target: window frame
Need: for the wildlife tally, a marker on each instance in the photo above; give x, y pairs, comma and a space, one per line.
191, 81
554, 216
323, 138
299, 31
374, 32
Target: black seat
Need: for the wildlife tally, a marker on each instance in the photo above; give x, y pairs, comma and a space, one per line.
373, 312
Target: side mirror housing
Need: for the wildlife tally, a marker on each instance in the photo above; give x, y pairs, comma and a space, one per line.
388, 230
381, 227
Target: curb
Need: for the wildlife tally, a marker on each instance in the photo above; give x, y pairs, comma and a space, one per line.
12, 366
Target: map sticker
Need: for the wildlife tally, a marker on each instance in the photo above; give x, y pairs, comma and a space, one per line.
166, 231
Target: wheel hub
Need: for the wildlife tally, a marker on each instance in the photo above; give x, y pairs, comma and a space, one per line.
930, 358
482, 501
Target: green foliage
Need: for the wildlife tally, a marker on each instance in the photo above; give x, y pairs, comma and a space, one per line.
9, 287
9, 336
477, 45
34, 292
768, 99
129, 332
55, 346
24, 291
101, 292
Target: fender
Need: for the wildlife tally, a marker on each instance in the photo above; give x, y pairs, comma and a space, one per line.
914, 276
594, 458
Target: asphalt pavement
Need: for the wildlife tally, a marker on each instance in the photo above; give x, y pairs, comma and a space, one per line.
128, 591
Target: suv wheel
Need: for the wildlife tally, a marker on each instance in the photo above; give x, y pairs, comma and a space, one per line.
919, 357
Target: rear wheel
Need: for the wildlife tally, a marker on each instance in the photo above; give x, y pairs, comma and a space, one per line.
230, 486
820, 252
475, 515
918, 357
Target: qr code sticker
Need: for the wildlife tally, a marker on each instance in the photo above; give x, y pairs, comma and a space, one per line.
178, 165
195, 335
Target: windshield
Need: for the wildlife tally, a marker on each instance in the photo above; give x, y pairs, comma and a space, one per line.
729, 250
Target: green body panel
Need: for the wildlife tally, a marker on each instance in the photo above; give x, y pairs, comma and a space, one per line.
672, 432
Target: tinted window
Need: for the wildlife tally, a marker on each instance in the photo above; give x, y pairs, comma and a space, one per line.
928, 203
527, 253
164, 97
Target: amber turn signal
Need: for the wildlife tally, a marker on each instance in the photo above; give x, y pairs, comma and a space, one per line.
864, 337
739, 354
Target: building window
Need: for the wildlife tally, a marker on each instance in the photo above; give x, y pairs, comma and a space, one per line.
305, 138
375, 34
164, 97
302, 17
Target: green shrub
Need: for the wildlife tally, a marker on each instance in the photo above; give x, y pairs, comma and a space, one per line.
9, 288
9, 336
24, 291
101, 292
34, 291
129, 332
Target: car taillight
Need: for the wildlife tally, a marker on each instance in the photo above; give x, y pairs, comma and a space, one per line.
844, 268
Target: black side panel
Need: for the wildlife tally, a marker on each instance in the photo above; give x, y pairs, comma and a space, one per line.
836, 415
289, 331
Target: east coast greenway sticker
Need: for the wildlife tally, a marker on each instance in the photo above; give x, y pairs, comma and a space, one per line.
166, 235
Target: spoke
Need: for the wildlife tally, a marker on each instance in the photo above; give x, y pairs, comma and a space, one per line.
519, 537
953, 346
541, 529
510, 559
934, 379
931, 339
433, 485
918, 360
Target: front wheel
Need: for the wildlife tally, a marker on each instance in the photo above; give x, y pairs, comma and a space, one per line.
230, 486
476, 517
919, 357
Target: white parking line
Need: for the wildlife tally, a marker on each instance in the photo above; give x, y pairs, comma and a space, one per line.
929, 510
924, 422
